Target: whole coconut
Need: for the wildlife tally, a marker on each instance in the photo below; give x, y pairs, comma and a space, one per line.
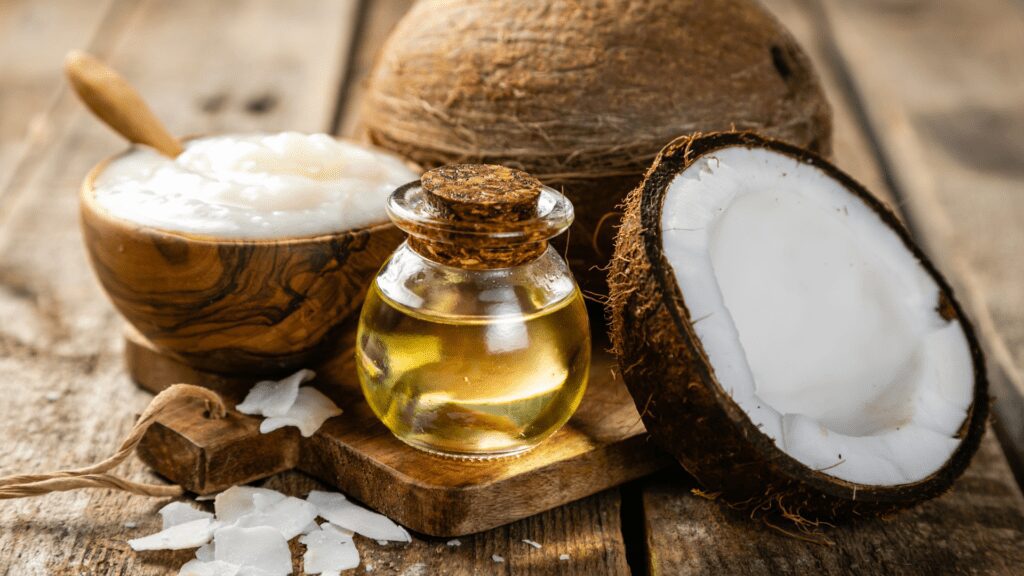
583, 94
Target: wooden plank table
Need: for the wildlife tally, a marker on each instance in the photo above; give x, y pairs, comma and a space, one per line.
927, 102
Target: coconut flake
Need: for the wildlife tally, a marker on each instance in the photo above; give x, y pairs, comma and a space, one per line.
261, 548
340, 511
328, 550
310, 410
453, 542
532, 543
237, 501
289, 515
498, 559
214, 568
254, 571
564, 557
205, 553
270, 398
179, 513
188, 535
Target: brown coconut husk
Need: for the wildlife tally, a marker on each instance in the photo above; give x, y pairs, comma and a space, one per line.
584, 94
688, 412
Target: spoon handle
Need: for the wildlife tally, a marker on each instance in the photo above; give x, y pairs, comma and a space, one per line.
114, 101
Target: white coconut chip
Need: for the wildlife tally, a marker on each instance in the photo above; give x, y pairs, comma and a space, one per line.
289, 515
237, 501
532, 543
564, 557
310, 410
205, 553
498, 559
454, 542
254, 571
340, 511
188, 535
214, 568
328, 550
270, 398
179, 513
257, 550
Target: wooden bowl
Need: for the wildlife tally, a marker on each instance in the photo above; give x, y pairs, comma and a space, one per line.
246, 306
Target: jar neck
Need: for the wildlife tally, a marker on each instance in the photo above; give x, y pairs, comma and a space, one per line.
477, 256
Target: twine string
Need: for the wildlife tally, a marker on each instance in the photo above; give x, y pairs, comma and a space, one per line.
96, 476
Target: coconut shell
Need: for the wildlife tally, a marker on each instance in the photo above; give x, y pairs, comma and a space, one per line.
685, 408
584, 94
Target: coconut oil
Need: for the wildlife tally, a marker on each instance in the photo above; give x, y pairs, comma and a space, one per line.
244, 186
473, 385
474, 340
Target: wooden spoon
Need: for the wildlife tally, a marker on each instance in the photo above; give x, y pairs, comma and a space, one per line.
115, 102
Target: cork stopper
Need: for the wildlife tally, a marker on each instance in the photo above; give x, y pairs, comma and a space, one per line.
479, 216
482, 193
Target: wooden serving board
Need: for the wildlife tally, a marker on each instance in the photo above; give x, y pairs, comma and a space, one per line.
602, 446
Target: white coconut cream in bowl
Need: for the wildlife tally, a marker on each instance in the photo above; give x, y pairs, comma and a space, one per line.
244, 251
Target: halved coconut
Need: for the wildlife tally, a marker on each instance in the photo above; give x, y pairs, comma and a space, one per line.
784, 337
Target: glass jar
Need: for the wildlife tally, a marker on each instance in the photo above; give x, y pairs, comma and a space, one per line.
474, 339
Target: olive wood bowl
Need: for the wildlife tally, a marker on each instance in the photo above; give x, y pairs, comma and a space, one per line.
244, 306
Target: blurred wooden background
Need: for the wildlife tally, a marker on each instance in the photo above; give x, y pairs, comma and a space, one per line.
929, 105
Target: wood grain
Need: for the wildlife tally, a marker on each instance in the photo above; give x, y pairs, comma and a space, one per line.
238, 306
978, 528
602, 446
377, 20
942, 86
34, 36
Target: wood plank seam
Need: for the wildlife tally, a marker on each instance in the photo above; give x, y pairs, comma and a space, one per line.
348, 76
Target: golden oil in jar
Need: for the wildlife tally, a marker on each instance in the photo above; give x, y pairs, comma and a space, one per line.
475, 386
474, 340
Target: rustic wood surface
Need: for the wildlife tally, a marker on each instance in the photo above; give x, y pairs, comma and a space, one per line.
603, 445
975, 529
927, 99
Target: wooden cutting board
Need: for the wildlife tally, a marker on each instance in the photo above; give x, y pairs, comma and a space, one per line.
602, 446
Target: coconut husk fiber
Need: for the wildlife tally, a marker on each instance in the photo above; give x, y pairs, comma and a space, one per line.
583, 94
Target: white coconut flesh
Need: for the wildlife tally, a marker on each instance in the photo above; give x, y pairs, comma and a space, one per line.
816, 318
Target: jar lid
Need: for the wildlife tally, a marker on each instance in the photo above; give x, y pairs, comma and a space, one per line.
479, 215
